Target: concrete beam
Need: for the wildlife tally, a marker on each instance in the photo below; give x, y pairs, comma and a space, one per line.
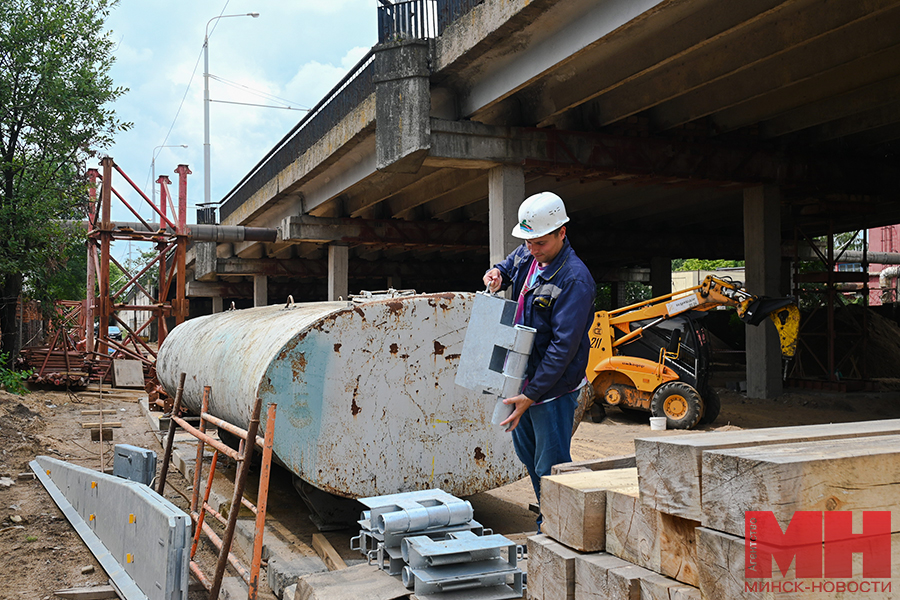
651, 160
827, 109
812, 42
762, 250
220, 289
387, 233
338, 272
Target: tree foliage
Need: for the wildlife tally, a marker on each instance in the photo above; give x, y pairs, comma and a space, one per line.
697, 264
55, 98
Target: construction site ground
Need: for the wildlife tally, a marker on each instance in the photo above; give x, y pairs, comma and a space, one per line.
43, 553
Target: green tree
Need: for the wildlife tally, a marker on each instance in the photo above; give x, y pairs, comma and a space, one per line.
697, 264
55, 97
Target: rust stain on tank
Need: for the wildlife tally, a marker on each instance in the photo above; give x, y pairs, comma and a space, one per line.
354, 407
452, 356
395, 348
337, 348
479, 455
395, 307
298, 365
438, 348
360, 312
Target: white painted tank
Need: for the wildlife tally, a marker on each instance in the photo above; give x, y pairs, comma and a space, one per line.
367, 403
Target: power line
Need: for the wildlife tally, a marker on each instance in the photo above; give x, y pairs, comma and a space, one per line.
188, 88
259, 93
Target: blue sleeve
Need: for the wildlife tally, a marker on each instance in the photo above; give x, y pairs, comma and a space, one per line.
506, 268
572, 313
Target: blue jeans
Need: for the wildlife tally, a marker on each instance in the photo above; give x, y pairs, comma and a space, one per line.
544, 436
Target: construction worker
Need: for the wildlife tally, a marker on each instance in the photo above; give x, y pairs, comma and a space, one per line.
555, 293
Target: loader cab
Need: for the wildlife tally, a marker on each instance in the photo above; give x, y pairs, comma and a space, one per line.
692, 360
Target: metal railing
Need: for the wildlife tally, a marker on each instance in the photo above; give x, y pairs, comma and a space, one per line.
407, 20
419, 19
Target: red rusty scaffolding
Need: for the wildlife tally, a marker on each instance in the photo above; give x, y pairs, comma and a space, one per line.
170, 242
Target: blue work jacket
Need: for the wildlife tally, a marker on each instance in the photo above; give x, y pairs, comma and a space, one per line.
560, 306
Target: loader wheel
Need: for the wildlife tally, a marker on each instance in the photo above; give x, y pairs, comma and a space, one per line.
711, 406
679, 403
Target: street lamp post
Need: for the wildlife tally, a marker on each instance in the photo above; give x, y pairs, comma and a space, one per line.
153, 167
206, 177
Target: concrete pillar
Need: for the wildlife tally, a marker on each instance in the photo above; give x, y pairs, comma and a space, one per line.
260, 291
506, 190
762, 253
338, 272
402, 105
660, 276
216, 304
393, 282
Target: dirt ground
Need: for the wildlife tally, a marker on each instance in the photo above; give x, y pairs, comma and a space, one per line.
44, 553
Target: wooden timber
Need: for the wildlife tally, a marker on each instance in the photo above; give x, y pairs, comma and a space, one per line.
845, 474
670, 467
574, 506
721, 561
648, 538
551, 569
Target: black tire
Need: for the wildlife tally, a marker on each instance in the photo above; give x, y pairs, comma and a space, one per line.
679, 403
711, 406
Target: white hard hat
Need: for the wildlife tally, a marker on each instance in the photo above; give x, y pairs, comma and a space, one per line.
539, 215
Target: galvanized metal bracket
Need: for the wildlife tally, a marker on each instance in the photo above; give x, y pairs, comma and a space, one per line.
496, 350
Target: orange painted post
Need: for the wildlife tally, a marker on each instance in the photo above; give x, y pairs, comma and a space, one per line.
262, 499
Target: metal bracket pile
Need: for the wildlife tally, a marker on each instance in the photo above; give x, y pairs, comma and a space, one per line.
430, 538
463, 561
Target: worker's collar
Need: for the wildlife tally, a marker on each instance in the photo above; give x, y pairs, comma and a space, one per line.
547, 273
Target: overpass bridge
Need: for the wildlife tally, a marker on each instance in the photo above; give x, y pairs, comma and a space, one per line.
671, 128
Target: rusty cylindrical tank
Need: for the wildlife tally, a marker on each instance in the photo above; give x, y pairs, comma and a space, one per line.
367, 403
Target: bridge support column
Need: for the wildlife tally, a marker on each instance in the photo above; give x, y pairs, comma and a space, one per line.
660, 276
260, 291
338, 272
762, 253
402, 105
506, 190
216, 304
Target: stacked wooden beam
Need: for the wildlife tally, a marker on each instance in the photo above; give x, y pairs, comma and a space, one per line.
673, 527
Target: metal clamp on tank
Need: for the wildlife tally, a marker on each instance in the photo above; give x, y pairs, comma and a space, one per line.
495, 352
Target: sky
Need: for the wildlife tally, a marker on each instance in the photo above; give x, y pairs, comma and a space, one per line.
296, 50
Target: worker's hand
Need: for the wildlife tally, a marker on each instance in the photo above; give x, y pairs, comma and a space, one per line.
522, 403
492, 279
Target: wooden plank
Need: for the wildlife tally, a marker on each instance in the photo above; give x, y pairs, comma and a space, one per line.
358, 581
97, 592
659, 587
574, 506
110, 425
327, 552
650, 539
721, 560
551, 569
595, 464
849, 475
592, 575
98, 412
669, 468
